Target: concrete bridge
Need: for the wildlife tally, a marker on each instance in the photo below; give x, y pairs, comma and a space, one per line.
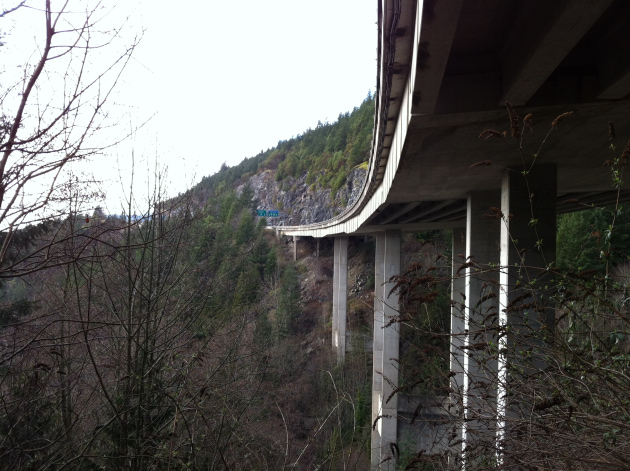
445, 70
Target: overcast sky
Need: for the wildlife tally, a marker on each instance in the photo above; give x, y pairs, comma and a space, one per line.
228, 79
216, 81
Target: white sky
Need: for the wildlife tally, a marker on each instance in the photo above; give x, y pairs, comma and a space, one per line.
226, 79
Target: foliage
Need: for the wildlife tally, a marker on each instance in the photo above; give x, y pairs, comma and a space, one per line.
149, 340
423, 289
325, 154
146, 339
328, 152
228, 177
288, 301
583, 242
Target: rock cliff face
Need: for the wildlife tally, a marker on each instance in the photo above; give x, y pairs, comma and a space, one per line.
300, 204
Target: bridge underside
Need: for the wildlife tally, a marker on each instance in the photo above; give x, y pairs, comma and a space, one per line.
441, 162
546, 58
446, 70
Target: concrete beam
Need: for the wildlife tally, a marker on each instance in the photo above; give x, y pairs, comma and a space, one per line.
612, 61
435, 209
411, 227
436, 24
617, 88
404, 210
533, 52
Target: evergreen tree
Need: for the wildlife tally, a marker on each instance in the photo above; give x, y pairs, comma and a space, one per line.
288, 301
271, 262
259, 255
246, 288
263, 331
245, 230
586, 240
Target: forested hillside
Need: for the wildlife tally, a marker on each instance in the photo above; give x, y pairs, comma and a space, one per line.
326, 154
175, 333
310, 177
178, 335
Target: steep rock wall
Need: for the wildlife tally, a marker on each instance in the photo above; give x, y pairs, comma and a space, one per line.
299, 203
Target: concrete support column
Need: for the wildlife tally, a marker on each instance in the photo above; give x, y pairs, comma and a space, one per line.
340, 296
377, 363
483, 229
295, 241
458, 290
387, 366
335, 301
528, 247
317, 268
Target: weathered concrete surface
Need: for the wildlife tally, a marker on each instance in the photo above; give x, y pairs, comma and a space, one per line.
458, 336
340, 297
483, 228
377, 362
387, 338
528, 246
424, 423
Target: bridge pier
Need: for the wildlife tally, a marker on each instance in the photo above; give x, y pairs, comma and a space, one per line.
458, 300
505, 253
377, 349
481, 315
528, 247
386, 349
340, 296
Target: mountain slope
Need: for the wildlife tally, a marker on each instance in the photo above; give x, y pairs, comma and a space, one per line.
308, 178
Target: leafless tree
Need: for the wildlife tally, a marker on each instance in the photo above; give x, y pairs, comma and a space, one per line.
50, 115
139, 355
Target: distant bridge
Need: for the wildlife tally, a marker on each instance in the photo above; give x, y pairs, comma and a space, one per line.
445, 70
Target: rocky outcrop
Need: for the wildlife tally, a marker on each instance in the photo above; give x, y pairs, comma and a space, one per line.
299, 203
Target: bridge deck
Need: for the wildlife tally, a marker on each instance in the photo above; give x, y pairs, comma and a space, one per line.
444, 74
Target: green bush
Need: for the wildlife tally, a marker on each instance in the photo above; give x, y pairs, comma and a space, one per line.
340, 179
